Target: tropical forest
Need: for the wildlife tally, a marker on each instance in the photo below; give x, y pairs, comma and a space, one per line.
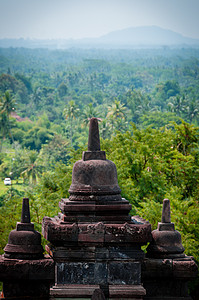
147, 104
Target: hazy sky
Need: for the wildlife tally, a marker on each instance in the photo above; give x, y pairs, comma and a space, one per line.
92, 18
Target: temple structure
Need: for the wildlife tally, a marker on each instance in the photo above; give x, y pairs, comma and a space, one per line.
94, 242
95, 245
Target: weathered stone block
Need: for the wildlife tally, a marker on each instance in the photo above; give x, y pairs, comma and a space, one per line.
77, 291
81, 273
124, 273
185, 268
14, 269
121, 292
124, 253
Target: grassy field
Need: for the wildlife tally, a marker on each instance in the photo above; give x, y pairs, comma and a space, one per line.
18, 186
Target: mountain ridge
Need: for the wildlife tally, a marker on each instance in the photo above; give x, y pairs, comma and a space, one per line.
141, 36
147, 34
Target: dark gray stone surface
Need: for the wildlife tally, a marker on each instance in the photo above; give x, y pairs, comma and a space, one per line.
81, 273
98, 273
124, 273
166, 218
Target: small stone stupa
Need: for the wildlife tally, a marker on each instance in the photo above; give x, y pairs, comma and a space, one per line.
24, 242
25, 271
167, 270
95, 243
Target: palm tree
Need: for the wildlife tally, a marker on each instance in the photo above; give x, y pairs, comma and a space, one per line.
104, 129
32, 169
70, 113
88, 113
117, 112
4, 128
7, 105
192, 110
37, 97
177, 104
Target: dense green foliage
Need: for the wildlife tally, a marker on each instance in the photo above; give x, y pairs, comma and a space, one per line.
148, 103
156, 164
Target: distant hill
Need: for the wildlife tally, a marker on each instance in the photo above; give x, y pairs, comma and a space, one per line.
146, 35
139, 37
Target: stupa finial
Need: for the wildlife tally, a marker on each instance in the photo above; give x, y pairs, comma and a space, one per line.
94, 152
93, 138
25, 213
166, 216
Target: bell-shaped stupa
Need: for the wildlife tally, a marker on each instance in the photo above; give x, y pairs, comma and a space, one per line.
25, 272
94, 193
95, 243
24, 242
